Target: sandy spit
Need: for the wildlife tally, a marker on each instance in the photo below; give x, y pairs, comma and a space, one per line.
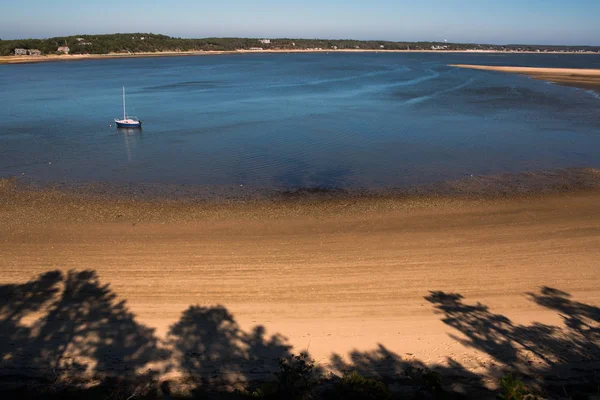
576, 77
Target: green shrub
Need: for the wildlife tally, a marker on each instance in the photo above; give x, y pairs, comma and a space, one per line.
354, 386
429, 380
295, 376
268, 390
512, 388
294, 379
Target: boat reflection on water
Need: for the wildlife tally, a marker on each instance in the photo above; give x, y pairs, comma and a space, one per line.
131, 137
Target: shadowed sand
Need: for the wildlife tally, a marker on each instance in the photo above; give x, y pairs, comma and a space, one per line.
575, 77
334, 276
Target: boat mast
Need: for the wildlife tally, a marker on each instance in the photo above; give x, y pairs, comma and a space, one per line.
124, 113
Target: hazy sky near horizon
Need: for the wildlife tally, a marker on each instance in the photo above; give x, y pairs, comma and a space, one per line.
481, 21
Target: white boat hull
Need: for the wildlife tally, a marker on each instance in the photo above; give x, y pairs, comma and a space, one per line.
128, 123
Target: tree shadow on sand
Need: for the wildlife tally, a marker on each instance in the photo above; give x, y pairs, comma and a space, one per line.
71, 325
213, 351
411, 377
550, 357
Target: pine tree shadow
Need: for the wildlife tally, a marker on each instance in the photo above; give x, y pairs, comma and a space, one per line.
551, 357
71, 325
79, 330
485, 330
214, 352
18, 301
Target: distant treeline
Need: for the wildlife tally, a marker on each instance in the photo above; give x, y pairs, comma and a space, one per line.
148, 42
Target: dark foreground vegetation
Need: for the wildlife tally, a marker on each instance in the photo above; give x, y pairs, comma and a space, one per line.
148, 42
85, 343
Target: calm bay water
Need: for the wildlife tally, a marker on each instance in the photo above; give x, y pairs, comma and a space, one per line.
294, 120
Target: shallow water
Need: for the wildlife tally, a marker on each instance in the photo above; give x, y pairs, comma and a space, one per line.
367, 120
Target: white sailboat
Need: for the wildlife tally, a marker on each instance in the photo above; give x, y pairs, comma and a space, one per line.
127, 121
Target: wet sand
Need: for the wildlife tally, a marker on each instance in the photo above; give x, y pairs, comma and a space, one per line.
575, 77
332, 276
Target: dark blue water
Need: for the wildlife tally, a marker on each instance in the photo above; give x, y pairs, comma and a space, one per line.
294, 120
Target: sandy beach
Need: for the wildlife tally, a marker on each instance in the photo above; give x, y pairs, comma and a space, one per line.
575, 77
457, 282
79, 57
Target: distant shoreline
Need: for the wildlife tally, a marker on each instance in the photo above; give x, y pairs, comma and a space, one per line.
575, 77
78, 57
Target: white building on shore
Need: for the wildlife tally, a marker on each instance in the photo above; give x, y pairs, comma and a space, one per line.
27, 52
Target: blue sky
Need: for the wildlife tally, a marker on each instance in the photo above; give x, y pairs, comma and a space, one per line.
481, 21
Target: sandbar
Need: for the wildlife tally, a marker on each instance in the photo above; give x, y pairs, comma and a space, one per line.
576, 77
